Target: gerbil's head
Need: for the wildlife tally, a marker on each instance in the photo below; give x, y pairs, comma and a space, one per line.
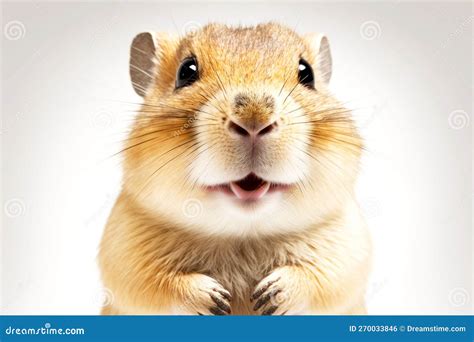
238, 133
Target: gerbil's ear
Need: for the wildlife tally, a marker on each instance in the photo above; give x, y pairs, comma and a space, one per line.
142, 61
320, 46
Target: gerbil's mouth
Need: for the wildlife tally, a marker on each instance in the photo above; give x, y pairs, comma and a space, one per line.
250, 188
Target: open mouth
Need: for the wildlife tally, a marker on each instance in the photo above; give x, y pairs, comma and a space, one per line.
249, 188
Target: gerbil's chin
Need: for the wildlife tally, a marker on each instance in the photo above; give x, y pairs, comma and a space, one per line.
234, 216
243, 209
225, 215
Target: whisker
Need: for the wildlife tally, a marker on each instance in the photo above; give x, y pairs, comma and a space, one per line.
321, 164
293, 89
139, 86
188, 175
141, 70
166, 163
207, 165
284, 83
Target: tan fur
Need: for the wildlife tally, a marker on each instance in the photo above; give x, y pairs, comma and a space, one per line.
313, 252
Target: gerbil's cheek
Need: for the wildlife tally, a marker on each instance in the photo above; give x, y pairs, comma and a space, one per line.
213, 164
284, 160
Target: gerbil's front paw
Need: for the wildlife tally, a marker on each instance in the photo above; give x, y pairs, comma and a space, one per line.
278, 293
205, 296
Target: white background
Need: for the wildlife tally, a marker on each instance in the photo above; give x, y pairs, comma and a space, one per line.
405, 67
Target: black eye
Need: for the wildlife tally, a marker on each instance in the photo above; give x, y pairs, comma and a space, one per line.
187, 73
305, 74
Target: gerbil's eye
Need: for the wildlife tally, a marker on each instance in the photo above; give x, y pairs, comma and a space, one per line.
187, 73
305, 74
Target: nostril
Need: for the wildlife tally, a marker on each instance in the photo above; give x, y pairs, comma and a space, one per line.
267, 129
233, 127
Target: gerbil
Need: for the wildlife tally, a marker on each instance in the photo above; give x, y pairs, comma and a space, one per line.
238, 181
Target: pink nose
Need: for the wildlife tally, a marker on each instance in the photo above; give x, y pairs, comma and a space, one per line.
247, 131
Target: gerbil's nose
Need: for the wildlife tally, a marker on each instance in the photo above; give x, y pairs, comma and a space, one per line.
250, 132
252, 115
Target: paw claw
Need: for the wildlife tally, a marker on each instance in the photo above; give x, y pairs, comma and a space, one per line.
270, 311
224, 294
221, 304
216, 311
205, 296
262, 290
266, 298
